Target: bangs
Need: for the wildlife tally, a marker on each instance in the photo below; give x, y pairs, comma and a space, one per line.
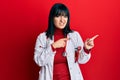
61, 13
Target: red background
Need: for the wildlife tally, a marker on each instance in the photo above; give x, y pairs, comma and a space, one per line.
22, 21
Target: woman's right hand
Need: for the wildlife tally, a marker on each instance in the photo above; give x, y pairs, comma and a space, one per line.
60, 43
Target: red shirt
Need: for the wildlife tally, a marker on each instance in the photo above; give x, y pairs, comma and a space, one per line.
61, 71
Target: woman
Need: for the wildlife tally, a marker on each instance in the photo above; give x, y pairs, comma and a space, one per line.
60, 50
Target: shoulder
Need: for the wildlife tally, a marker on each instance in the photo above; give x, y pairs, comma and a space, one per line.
42, 35
74, 33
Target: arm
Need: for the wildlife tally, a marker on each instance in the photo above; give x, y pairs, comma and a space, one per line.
83, 56
43, 52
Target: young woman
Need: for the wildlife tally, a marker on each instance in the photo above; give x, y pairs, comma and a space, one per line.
59, 50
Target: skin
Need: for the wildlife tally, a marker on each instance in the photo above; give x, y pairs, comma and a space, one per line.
60, 22
89, 43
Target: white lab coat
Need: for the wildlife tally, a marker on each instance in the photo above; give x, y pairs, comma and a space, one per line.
44, 56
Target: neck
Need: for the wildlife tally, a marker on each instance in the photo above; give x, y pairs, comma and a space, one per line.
58, 31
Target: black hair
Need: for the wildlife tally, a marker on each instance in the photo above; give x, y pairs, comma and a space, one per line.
58, 9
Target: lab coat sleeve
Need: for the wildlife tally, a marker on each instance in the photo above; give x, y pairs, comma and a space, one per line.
43, 53
83, 57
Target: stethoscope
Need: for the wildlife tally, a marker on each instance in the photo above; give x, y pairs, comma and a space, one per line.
77, 49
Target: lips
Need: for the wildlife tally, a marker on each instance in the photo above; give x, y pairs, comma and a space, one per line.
61, 24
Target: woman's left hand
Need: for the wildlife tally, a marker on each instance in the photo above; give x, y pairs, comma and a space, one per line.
89, 43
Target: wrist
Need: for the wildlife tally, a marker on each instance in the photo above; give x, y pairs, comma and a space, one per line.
86, 50
53, 47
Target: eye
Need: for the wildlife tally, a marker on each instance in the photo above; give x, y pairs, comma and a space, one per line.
57, 15
65, 16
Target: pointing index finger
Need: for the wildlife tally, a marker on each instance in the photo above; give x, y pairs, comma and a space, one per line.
94, 37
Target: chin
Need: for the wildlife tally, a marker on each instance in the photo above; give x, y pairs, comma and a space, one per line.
62, 27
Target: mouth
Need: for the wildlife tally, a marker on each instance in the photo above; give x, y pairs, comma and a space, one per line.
62, 24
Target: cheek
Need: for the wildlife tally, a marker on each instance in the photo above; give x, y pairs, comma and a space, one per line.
56, 22
66, 20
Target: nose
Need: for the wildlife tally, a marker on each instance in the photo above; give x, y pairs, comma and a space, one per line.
62, 18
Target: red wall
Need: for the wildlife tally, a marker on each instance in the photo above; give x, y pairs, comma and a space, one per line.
22, 21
